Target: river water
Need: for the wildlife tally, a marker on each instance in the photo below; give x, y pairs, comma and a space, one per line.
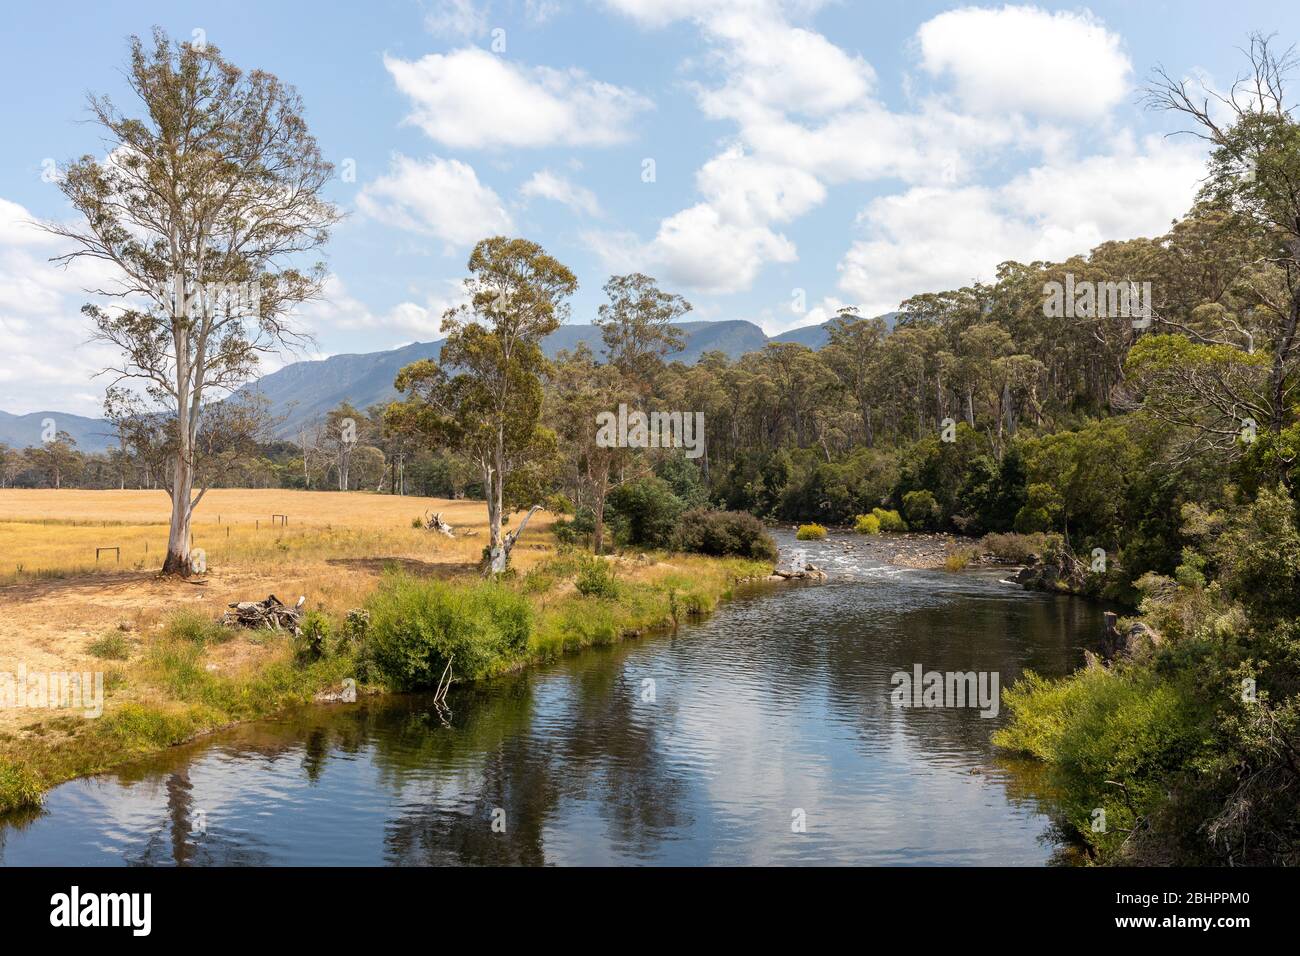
763, 734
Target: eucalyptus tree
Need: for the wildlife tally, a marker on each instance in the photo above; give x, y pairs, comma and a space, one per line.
636, 326
483, 396
204, 207
1254, 176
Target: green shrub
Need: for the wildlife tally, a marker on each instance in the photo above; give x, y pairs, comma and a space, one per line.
1112, 738
867, 524
19, 785
198, 629
959, 558
112, 646
1015, 548
417, 626
644, 512
311, 643
559, 504
921, 510
889, 519
596, 578
810, 532
723, 533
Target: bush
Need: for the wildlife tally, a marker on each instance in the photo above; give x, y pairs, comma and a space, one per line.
1111, 737
723, 533
312, 640
417, 626
19, 785
196, 628
959, 559
810, 532
559, 504
889, 520
644, 512
595, 578
867, 524
921, 509
1015, 548
111, 647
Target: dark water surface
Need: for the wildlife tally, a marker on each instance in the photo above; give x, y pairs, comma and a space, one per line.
777, 703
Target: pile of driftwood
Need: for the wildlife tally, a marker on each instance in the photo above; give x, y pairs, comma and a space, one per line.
271, 613
435, 523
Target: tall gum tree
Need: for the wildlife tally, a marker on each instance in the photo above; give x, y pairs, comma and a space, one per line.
483, 397
1254, 180
206, 205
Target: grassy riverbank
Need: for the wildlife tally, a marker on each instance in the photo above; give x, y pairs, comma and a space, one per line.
187, 676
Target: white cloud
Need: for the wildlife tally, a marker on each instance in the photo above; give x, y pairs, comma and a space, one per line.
721, 244
545, 184
700, 249
50, 363
750, 191
339, 311
929, 238
1064, 65
436, 197
771, 65
474, 99
456, 18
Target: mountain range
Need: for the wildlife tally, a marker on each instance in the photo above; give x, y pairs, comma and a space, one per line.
303, 392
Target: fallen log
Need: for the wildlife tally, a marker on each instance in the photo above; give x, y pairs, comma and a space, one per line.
436, 523
272, 614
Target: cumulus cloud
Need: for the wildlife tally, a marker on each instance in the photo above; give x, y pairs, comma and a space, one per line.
1062, 65
436, 197
722, 243
339, 311
929, 238
545, 184
471, 99
50, 363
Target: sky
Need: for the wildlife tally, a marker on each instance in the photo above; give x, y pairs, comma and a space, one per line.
769, 160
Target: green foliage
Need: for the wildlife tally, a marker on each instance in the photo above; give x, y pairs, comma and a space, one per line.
890, 520
866, 524
195, 628
312, 641
1017, 548
1041, 510
19, 785
417, 626
1111, 738
722, 533
596, 578
644, 512
113, 646
921, 510
810, 532
685, 481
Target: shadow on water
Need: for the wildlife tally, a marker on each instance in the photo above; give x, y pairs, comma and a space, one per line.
710, 745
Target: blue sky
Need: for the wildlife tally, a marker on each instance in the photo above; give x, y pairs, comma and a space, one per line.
805, 154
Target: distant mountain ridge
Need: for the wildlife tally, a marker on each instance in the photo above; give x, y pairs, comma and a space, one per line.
26, 431
303, 392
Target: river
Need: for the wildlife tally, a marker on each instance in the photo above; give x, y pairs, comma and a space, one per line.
764, 734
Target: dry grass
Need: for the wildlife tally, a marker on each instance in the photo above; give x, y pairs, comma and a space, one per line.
55, 602
54, 534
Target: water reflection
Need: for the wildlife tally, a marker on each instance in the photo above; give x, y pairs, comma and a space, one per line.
777, 704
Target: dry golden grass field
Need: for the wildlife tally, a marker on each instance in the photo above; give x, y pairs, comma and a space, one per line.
55, 598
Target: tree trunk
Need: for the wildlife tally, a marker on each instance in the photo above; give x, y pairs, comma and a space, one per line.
178, 533
601, 488
500, 554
